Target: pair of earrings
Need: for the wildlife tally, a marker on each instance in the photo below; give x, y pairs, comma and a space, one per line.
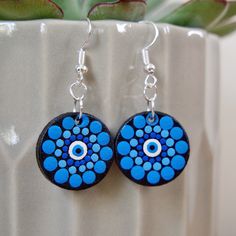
75, 150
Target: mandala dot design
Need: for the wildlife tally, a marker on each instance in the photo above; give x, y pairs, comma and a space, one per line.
75, 154
150, 151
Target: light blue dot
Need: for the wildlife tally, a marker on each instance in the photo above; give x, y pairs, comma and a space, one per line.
94, 157
133, 142
76, 130
89, 177
100, 167
148, 129
167, 173
106, 153
137, 172
72, 170
147, 166
164, 133
171, 152
60, 142
84, 121
75, 181
103, 138
123, 148
153, 177
133, 153
48, 146
89, 165
62, 163
54, 132
157, 166
96, 127
138, 161
96, 147
169, 142
50, 163
139, 121
165, 161
66, 134
178, 162
181, 147
127, 132
58, 153
68, 123
157, 129
139, 133
166, 122
93, 138
61, 176
82, 168
85, 131
126, 163
176, 133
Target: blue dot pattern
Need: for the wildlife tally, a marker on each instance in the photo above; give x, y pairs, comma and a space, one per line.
152, 152
75, 154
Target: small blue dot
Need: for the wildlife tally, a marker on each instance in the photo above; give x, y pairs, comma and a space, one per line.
72, 138
61, 176
96, 147
126, 163
89, 165
166, 122
95, 127
77, 163
86, 140
80, 137
75, 181
181, 147
123, 148
162, 141
58, 153
157, 166
103, 138
133, 153
127, 132
64, 155
169, 142
94, 157
68, 123
50, 163
153, 177
158, 136
70, 162
138, 161
54, 132
152, 160
137, 172
165, 133
72, 170
106, 153
171, 152
139, 133
139, 121
178, 162
67, 142
76, 130
146, 136
141, 140
133, 142
157, 129
100, 167
90, 145
166, 161
140, 154
85, 131
90, 152
163, 154
176, 133
48, 146
62, 163
164, 148
87, 158
147, 166
158, 158
145, 158
148, 129
66, 134
93, 138
167, 173
82, 162
82, 168
139, 147
89, 177
153, 135
60, 142
65, 149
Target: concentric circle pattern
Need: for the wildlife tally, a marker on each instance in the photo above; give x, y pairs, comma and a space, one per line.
152, 152
74, 154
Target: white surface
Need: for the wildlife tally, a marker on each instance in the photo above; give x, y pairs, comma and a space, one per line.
37, 67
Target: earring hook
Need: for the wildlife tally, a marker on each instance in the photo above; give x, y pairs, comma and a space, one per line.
89, 33
145, 53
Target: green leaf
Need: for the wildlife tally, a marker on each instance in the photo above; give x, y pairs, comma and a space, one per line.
224, 29
196, 13
29, 9
121, 10
152, 4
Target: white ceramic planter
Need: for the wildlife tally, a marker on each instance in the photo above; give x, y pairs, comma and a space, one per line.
37, 67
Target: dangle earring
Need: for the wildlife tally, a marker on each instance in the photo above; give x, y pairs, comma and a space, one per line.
75, 149
152, 147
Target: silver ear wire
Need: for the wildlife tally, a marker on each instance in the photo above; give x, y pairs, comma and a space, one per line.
150, 80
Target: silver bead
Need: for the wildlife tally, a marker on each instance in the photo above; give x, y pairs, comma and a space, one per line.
81, 69
150, 68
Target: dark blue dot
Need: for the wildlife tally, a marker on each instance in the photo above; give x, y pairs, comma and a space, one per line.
65, 149
162, 141
140, 154
90, 152
87, 158
146, 136
158, 159
86, 140
67, 142
77, 163
70, 162
82, 162
164, 147
90, 145
79, 137
152, 135
145, 158
163, 154
152, 160
73, 138
139, 147
158, 136
64, 155
141, 140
